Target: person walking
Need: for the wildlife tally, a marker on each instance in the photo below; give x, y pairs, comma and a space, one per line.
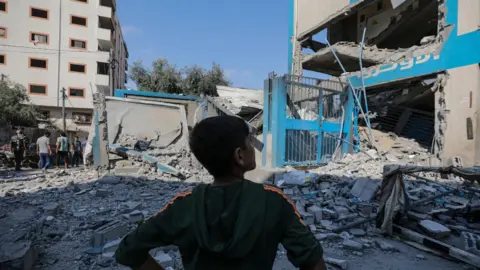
76, 151
62, 149
44, 150
19, 144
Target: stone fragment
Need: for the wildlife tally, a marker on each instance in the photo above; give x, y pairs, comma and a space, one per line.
357, 232
19, 255
471, 243
132, 206
51, 208
337, 262
345, 235
164, 259
341, 210
383, 245
434, 229
105, 261
136, 216
316, 212
328, 214
111, 246
307, 218
312, 228
420, 257
352, 245
365, 189
101, 192
417, 216
109, 180
288, 191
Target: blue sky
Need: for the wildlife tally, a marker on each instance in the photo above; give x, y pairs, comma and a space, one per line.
248, 38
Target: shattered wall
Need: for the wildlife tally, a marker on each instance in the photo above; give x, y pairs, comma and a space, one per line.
144, 119
312, 12
456, 116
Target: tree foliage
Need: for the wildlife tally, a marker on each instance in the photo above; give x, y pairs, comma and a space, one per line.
165, 77
15, 106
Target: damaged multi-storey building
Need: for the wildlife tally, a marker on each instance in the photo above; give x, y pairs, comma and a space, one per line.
420, 63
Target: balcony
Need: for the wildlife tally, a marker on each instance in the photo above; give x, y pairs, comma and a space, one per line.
105, 33
104, 11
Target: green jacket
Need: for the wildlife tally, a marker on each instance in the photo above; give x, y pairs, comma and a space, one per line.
238, 226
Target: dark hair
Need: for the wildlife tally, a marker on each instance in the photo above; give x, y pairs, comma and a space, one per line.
76, 136
63, 134
47, 133
213, 142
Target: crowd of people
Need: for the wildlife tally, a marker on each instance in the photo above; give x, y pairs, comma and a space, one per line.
64, 151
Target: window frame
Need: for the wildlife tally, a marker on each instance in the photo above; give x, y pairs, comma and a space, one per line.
76, 48
4, 59
6, 32
40, 18
78, 1
35, 58
37, 84
41, 34
6, 6
76, 88
78, 64
79, 25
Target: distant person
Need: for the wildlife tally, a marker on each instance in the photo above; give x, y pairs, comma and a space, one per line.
62, 149
44, 150
77, 151
19, 145
233, 223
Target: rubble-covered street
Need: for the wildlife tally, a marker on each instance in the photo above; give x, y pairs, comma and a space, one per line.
73, 219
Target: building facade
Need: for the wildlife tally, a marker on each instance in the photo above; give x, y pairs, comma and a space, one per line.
420, 65
75, 45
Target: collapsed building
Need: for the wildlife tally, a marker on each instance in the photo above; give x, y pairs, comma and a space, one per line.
420, 65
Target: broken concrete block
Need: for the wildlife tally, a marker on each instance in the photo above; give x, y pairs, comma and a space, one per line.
386, 246
132, 206
164, 259
328, 214
126, 170
316, 212
365, 189
357, 232
51, 208
308, 219
111, 246
288, 191
108, 232
340, 263
352, 245
417, 216
135, 216
434, 229
471, 242
341, 210
365, 209
101, 192
20, 255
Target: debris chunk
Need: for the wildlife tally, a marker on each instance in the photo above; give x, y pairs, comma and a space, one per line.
435, 229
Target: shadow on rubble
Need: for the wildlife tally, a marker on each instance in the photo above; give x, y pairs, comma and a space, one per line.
72, 220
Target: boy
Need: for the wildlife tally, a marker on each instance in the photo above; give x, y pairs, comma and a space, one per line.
77, 151
230, 224
62, 149
19, 144
44, 150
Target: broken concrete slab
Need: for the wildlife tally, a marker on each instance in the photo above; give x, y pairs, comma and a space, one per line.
365, 189
164, 259
126, 170
383, 245
357, 232
111, 246
108, 232
343, 264
51, 208
434, 229
20, 255
352, 245
316, 212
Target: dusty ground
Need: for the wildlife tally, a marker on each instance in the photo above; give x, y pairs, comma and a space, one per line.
86, 202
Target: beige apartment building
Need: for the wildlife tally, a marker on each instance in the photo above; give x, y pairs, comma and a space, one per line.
52, 45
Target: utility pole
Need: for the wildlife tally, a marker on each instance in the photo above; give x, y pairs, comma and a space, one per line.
112, 63
64, 114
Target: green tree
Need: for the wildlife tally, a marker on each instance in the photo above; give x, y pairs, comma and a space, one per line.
165, 77
15, 106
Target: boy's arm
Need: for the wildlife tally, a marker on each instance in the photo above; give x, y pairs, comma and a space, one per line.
157, 231
303, 249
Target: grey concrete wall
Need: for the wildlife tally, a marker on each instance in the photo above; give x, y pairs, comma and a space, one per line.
144, 118
462, 89
311, 12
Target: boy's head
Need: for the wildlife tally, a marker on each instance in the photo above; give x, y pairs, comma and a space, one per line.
223, 145
47, 133
76, 137
63, 134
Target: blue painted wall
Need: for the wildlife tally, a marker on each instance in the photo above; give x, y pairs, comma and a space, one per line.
457, 51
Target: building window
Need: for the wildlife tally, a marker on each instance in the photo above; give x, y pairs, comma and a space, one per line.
3, 59
81, 68
379, 6
38, 63
102, 68
3, 32
82, 21
81, 1
38, 38
3, 6
82, 118
78, 44
37, 89
76, 92
39, 13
